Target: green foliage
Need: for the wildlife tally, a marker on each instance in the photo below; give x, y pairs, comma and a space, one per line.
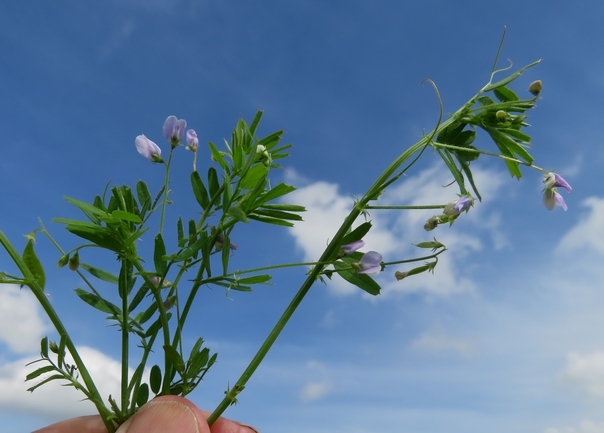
236, 189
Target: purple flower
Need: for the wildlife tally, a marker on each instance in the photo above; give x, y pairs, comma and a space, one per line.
148, 149
192, 140
551, 198
174, 129
371, 263
456, 207
220, 242
350, 248
553, 180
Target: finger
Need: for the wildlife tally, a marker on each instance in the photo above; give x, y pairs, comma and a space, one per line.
224, 425
82, 424
166, 414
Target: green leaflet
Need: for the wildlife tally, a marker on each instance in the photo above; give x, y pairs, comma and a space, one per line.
99, 273
362, 281
199, 190
97, 302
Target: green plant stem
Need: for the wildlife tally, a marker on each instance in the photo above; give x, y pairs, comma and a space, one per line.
123, 289
485, 152
165, 199
96, 398
156, 291
372, 194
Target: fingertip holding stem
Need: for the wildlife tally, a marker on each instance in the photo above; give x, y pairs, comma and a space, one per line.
166, 415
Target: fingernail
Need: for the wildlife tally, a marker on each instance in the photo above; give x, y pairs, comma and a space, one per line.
249, 426
161, 417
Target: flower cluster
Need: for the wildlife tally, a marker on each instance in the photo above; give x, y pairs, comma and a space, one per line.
551, 197
174, 130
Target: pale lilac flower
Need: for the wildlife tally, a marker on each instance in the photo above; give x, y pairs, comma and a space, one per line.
148, 149
192, 140
553, 180
220, 242
371, 263
456, 207
174, 130
350, 248
551, 198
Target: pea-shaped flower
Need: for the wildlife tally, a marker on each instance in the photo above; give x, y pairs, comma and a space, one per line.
192, 140
148, 149
350, 248
551, 197
370, 263
553, 180
174, 130
456, 207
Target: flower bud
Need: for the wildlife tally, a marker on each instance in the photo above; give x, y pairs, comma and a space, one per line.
502, 116
192, 140
63, 261
169, 302
400, 275
74, 262
535, 87
348, 249
518, 119
432, 223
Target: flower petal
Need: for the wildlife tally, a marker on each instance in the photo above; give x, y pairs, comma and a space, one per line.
146, 147
371, 263
352, 247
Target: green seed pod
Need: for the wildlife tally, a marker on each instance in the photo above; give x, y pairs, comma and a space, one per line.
502, 116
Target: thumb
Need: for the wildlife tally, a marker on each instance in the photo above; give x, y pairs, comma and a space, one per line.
168, 414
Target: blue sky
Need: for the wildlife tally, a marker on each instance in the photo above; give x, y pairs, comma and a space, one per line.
506, 336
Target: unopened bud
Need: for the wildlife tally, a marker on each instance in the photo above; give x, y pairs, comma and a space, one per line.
502, 116
518, 119
432, 223
169, 302
535, 87
74, 262
400, 275
63, 261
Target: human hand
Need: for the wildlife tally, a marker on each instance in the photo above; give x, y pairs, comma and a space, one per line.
166, 414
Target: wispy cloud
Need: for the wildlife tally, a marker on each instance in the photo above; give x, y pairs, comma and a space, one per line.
588, 233
117, 38
393, 233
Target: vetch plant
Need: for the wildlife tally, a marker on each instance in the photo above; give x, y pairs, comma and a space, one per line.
154, 290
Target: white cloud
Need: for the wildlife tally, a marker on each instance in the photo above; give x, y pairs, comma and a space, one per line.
313, 391
586, 426
394, 232
440, 343
588, 232
118, 37
584, 373
53, 400
21, 323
